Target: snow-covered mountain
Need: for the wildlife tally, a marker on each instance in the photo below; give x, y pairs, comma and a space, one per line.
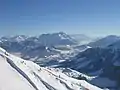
104, 42
35, 47
60, 38
18, 74
17, 38
101, 62
29, 48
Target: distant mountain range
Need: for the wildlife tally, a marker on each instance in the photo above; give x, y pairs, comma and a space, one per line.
45, 39
42, 46
35, 47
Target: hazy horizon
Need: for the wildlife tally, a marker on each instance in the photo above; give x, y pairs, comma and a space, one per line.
89, 17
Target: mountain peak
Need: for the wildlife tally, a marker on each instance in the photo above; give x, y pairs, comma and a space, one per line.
62, 33
59, 38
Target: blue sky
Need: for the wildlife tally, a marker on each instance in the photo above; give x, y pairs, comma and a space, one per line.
33, 17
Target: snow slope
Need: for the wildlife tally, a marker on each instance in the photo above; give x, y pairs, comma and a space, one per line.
10, 79
18, 74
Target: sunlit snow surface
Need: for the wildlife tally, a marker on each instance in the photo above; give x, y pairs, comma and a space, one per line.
18, 74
